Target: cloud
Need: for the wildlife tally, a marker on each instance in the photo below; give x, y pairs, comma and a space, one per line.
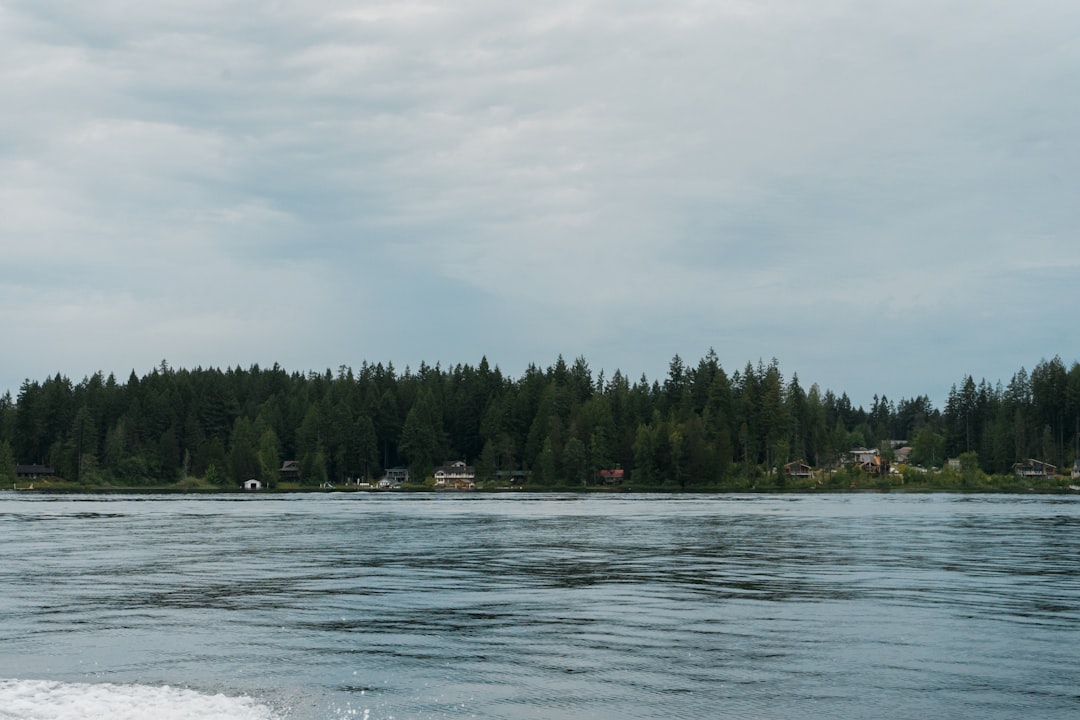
327, 182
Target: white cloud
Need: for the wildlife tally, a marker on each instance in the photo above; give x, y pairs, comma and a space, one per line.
764, 175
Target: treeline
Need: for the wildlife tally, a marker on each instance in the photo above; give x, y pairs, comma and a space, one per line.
698, 429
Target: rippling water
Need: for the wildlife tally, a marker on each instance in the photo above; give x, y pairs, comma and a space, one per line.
312, 607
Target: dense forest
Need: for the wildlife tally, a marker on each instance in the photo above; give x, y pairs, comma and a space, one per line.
699, 428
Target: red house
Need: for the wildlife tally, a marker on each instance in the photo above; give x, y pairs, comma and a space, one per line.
612, 477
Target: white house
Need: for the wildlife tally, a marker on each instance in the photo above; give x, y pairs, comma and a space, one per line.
861, 455
253, 484
456, 475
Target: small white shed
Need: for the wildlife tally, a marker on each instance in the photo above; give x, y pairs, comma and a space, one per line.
253, 484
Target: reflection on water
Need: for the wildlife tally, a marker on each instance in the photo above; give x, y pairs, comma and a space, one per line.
555, 606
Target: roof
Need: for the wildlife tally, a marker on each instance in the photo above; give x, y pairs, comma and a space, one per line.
34, 469
457, 467
1034, 462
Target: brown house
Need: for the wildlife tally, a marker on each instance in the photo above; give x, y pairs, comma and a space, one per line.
798, 469
1034, 468
290, 471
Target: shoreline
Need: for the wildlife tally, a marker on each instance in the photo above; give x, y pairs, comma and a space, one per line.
910, 490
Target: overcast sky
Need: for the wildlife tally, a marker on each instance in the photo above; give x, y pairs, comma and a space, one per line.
885, 196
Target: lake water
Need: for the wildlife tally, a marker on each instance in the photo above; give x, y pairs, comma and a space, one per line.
380, 606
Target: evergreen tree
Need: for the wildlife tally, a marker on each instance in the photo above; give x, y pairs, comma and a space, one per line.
564, 424
365, 447
269, 456
422, 438
7, 464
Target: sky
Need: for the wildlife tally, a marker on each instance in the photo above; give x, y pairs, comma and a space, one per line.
882, 195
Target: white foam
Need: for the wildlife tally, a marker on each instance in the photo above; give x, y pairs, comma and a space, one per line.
46, 700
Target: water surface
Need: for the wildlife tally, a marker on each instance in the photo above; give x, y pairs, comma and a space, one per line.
310, 607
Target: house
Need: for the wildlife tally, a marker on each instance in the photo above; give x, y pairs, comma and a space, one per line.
32, 472
1076, 469
612, 477
861, 456
903, 454
798, 469
1034, 468
875, 465
290, 471
456, 475
395, 477
253, 484
868, 460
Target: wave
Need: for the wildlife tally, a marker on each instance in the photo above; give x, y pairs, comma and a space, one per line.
49, 700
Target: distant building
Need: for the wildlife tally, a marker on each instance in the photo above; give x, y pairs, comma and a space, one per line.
32, 472
798, 469
253, 484
861, 455
1034, 468
290, 471
395, 477
456, 475
875, 466
612, 477
869, 461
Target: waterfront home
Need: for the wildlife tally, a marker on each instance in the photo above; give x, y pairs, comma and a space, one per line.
395, 477
612, 477
1034, 468
290, 471
798, 469
862, 456
32, 472
869, 460
455, 474
875, 466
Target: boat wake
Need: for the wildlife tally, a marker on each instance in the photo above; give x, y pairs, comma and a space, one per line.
47, 700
